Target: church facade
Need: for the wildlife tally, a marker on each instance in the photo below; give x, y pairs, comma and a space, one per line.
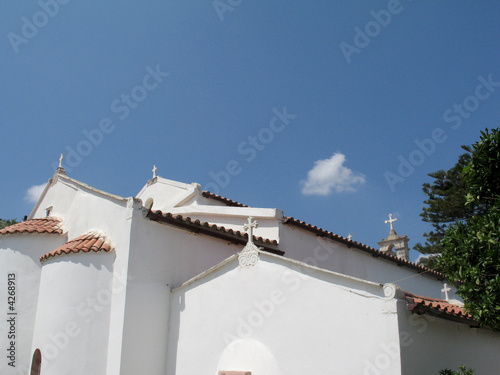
178, 280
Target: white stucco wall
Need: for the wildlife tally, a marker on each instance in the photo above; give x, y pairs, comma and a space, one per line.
299, 244
84, 209
20, 255
161, 257
431, 344
73, 314
278, 318
307, 247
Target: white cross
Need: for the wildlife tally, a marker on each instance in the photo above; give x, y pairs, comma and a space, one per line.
349, 237
249, 227
61, 158
445, 290
154, 171
390, 221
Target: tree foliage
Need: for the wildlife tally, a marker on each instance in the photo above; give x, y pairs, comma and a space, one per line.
445, 205
463, 371
6, 223
471, 260
471, 248
483, 170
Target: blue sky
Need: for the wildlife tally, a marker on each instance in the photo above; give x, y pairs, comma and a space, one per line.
332, 111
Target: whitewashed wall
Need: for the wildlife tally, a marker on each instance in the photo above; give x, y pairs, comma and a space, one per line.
73, 314
297, 243
161, 257
20, 254
83, 209
431, 344
278, 318
309, 248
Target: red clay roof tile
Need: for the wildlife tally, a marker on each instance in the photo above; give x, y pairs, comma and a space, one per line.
49, 225
212, 230
92, 241
438, 307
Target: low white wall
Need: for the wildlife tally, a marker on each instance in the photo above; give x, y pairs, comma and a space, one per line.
432, 344
73, 314
278, 318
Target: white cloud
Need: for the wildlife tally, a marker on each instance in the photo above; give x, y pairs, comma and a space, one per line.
34, 192
330, 174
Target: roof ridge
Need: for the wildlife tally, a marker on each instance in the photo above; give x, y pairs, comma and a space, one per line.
229, 202
363, 247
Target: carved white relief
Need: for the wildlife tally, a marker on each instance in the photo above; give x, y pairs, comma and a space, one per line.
249, 256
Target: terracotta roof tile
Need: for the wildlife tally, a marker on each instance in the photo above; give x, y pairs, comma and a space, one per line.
91, 241
49, 225
376, 253
227, 201
212, 230
438, 307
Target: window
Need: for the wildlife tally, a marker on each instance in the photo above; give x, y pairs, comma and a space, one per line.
36, 363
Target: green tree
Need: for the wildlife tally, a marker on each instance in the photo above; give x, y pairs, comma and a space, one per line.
445, 205
463, 371
471, 248
6, 223
483, 171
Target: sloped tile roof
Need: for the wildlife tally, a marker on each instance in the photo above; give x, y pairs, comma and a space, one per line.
374, 252
91, 241
227, 201
438, 307
49, 225
212, 230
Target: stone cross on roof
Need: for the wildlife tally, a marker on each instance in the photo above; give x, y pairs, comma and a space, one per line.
249, 256
349, 237
249, 227
445, 290
154, 171
390, 221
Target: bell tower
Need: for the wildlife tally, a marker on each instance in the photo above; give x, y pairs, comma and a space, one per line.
394, 244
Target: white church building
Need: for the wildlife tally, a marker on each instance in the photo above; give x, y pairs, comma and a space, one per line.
181, 281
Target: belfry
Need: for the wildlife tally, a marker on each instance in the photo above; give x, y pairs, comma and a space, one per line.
396, 243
